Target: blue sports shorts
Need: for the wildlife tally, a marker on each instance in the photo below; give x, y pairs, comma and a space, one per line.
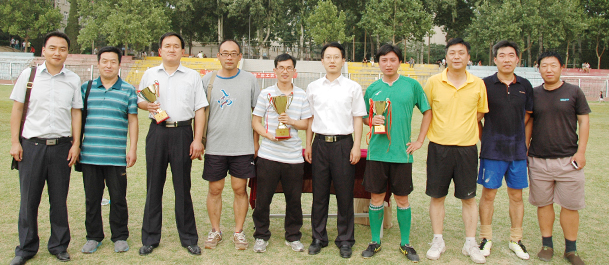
491, 172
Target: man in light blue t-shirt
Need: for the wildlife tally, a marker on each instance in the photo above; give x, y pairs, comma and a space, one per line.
280, 159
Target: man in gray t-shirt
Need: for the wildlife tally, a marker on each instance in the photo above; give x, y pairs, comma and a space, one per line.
231, 142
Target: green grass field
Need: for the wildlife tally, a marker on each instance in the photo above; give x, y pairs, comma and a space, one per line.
591, 244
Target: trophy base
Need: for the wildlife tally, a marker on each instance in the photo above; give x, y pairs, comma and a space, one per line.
282, 133
380, 129
161, 117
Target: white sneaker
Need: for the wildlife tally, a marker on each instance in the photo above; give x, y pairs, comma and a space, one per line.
437, 248
260, 245
240, 241
473, 251
519, 249
485, 247
295, 245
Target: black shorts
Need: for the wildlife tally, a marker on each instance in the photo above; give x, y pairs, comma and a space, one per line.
446, 162
378, 174
215, 167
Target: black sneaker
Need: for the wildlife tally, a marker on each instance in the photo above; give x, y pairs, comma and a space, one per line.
372, 249
409, 252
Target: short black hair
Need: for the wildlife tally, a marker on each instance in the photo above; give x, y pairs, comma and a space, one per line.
168, 34
503, 44
231, 40
455, 41
110, 49
285, 57
386, 49
56, 34
335, 45
550, 54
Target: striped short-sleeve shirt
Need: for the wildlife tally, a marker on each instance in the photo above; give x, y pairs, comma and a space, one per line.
288, 151
105, 135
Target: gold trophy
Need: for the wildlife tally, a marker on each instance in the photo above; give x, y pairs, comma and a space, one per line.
281, 104
150, 94
379, 108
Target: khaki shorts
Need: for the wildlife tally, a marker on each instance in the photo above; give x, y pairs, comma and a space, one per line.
554, 180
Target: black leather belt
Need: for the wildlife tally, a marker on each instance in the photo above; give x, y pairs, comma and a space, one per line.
331, 138
50, 141
173, 124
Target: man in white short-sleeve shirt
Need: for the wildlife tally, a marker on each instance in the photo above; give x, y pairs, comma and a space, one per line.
337, 105
53, 117
280, 159
181, 95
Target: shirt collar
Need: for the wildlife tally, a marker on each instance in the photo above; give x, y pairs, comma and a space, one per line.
181, 68
517, 79
116, 85
470, 77
399, 76
43, 67
338, 80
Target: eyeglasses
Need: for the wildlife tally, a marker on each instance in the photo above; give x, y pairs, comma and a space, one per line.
330, 57
232, 54
289, 69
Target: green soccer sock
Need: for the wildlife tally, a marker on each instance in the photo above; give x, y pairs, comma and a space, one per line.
404, 219
375, 213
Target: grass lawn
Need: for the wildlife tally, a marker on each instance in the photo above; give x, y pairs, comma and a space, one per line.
592, 236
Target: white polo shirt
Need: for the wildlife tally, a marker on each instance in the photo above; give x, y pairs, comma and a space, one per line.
287, 151
180, 94
49, 113
334, 104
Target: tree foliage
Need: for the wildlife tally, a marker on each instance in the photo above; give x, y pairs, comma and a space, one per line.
73, 27
327, 24
135, 23
29, 19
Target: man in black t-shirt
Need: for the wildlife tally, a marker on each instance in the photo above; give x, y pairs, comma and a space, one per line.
557, 155
503, 149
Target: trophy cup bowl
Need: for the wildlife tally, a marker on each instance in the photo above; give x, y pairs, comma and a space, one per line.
150, 94
281, 104
379, 108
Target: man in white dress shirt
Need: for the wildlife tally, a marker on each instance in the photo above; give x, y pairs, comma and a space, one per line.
337, 105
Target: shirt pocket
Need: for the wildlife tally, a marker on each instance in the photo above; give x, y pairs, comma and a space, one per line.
63, 95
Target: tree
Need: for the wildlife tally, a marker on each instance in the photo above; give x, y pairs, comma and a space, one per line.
326, 24
29, 19
262, 14
127, 22
188, 19
454, 16
73, 27
598, 21
404, 19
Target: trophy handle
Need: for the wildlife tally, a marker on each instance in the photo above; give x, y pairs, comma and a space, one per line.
290, 98
387, 105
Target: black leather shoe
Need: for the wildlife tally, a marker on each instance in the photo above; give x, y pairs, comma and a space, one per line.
316, 247
145, 250
18, 260
345, 251
194, 249
63, 256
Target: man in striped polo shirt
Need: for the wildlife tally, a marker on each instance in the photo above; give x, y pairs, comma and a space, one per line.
280, 159
112, 112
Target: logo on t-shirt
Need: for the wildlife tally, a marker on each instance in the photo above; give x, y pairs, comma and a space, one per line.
225, 100
564, 99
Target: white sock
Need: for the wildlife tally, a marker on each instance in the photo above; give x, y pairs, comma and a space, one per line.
438, 236
471, 241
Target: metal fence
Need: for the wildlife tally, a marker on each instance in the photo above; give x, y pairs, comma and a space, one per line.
592, 86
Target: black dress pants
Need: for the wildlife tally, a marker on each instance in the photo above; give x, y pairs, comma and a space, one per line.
331, 165
95, 178
168, 146
42, 163
269, 173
